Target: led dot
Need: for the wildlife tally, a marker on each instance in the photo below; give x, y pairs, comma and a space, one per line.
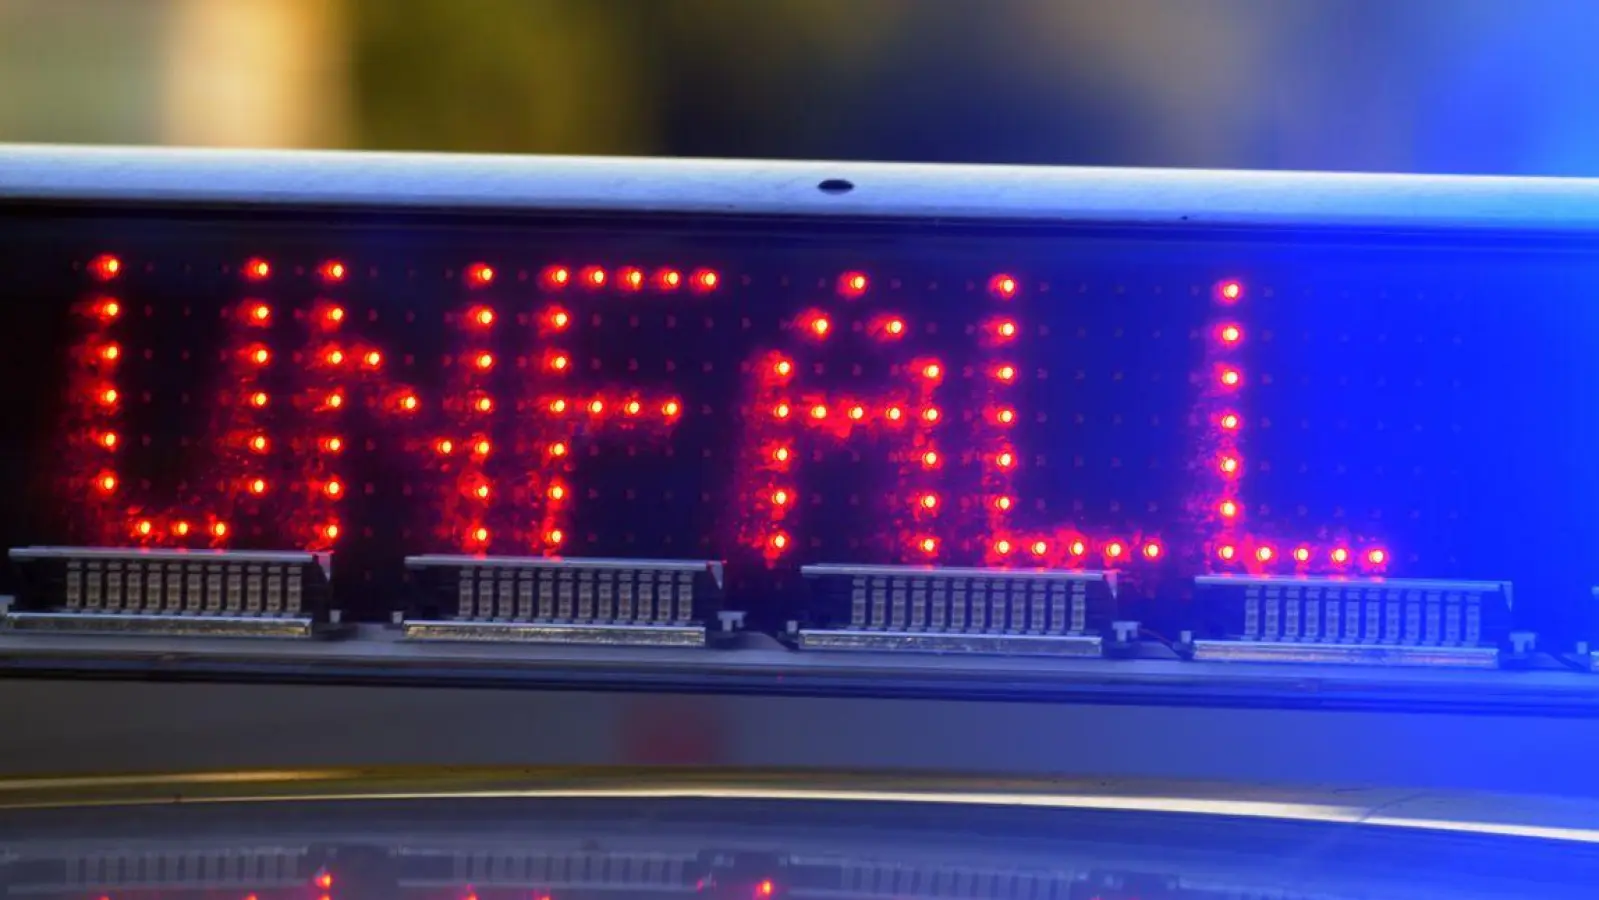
219, 530
1227, 552
333, 400
1302, 554
110, 309
783, 367
819, 326
930, 459
928, 545
596, 406
480, 535
593, 277
259, 443
1230, 334
780, 497
818, 411
480, 274
1114, 550
1005, 416
557, 276
257, 486
671, 408
372, 359
929, 501
1006, 373
706, 280
857, 413
1038, 548
1264, 554
333, 271
481, 492
110, 352
558, 318
1004, 286
410, 403
781, 411
105, 267
1005, 328
1229, 422
894, 413
1230, 290
180, 528
259, 399
109, 397
109, 440
144, 527
632, 407
1228, 465
481, 447
932, 371
1152, 550
1005, 459
630, 279
333, 315
558, 448
1003, 503
560, 362
1376, 557
930, 414
777, 541
484, 404
332, 444
852, 284
482, 316
444, 446
106, 482
1227, 508
668, 279
895, 327
1340, 555
556, 492
324, 880
484, 361
1231, 377
334, 357
257, 270
780, 454
258, 314
1077, 548
333, 488
1002, 546
260, 356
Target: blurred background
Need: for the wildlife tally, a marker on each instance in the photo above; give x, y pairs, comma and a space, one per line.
1503, 86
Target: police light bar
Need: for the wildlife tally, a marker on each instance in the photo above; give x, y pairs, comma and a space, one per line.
637, 602
201, 593
958, 610
1366, 621
1012, 381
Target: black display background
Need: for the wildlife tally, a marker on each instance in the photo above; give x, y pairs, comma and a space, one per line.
1430, 399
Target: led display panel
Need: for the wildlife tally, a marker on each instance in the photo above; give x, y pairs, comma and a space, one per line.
774, 395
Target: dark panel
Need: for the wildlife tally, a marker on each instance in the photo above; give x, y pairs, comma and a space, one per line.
1419, 400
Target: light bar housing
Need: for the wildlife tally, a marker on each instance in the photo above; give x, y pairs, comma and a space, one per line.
1354, 620
958, 610
1166, 373
203, 593
640, 602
